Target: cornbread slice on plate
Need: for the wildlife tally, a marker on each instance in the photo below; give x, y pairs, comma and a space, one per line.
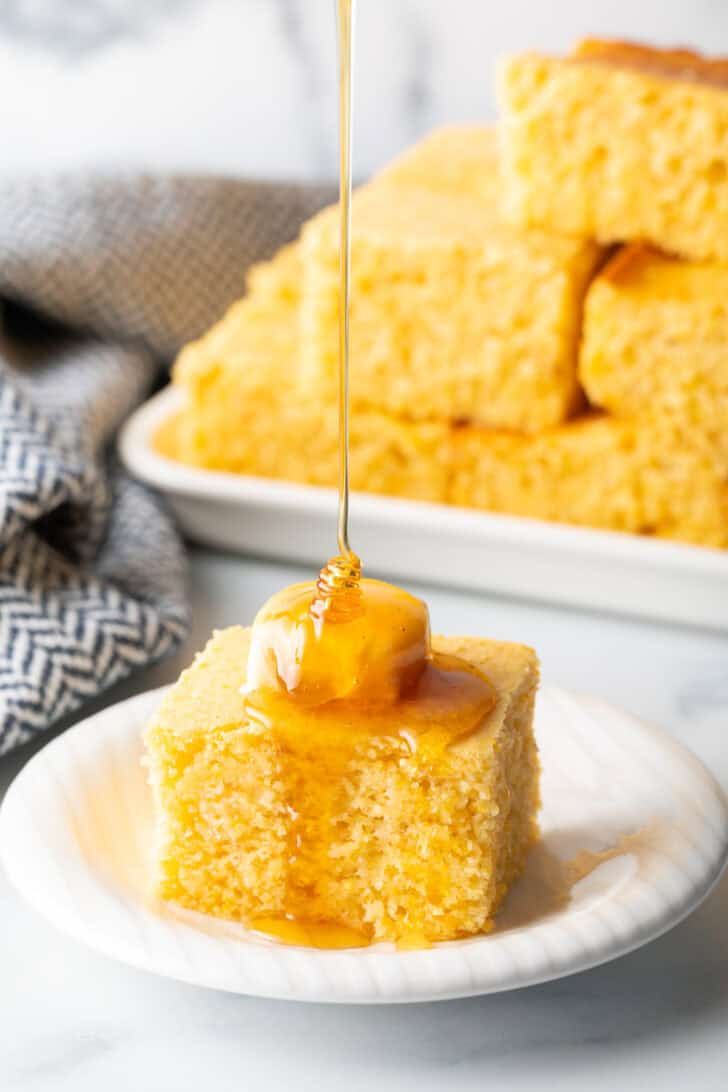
245, 411
656, 335
645, 477
454, 313
344, 827
619, 142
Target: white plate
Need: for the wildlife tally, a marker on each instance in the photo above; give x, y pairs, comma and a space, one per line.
434, 542
75, 834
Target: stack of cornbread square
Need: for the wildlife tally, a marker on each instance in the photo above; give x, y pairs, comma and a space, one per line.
539, 319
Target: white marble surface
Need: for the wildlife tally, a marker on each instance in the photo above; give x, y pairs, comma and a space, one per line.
248, 86
75, 1022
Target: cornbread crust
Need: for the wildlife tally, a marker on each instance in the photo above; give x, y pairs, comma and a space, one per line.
255, 333
655, 335
391, 842
619, 142
673, 64
646, 478
455, 314
245, 411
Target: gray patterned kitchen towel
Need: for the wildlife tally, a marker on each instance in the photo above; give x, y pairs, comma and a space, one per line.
101, 280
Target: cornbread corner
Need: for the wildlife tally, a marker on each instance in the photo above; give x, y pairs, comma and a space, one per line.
393, 843
245, 412
618, 142
655, 335
645, 477
454, 314
460, 160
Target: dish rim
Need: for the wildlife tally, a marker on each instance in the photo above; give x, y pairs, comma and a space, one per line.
169, 476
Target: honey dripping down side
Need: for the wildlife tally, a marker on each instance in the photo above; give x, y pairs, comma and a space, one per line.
334, 665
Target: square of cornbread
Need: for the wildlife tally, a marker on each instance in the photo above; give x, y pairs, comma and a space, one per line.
245, 412
618, 142
454, 313
656, 336
346, 828
646, 477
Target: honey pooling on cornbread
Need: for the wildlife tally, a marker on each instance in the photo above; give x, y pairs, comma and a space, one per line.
360, 657
347, 674
401, 810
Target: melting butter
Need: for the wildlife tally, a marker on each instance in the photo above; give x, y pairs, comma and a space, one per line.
370, 671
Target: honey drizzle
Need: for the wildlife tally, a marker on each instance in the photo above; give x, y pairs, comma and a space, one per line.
345, 17
338, 595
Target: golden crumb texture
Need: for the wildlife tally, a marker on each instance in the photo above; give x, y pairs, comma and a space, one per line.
455, 313
618, 142
352, 829
650, 477
246, 412
656, 335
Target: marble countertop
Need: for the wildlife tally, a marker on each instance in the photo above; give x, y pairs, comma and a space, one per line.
73, 1021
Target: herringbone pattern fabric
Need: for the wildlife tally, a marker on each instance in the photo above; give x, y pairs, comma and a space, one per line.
113, 275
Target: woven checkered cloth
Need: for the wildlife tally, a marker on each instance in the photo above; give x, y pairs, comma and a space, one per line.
101, 280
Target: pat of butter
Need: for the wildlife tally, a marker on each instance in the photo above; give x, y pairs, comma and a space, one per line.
377, 654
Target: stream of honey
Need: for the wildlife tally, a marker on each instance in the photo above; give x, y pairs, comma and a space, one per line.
343, 653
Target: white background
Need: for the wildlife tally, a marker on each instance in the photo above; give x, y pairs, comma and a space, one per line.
248, 86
